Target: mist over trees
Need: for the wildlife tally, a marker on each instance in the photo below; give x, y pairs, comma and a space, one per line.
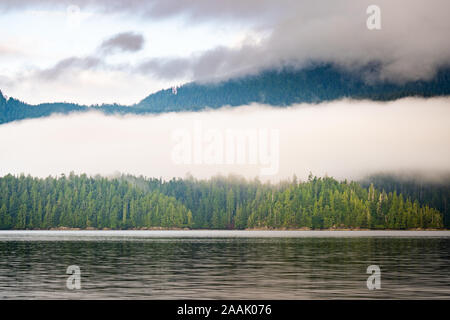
126, 202
432, 192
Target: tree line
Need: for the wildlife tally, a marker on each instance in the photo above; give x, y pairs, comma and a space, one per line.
83, 202
432, 192
79, 201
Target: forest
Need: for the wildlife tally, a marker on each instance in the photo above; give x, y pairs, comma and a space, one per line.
285, 87
432, 192
129, 202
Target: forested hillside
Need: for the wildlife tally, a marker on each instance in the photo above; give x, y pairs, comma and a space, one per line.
278, 88
435, 193
218, 203
286, 87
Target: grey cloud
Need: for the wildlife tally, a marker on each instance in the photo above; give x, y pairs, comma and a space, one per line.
198, 10
165, 68
412, 44
126, 41
212, 65
69, 64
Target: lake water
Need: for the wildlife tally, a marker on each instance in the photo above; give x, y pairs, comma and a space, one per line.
224, 264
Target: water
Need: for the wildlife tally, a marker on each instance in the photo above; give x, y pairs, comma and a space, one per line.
224, 264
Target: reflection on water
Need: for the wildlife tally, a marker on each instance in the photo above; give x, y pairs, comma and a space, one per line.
224, 265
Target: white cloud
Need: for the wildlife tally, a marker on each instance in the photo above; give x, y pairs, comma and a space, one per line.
203, 39
345, 139
86, 87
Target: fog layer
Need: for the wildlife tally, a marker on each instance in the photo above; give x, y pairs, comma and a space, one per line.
344, 139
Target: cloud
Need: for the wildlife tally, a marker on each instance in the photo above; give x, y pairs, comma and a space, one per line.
69, 64
6, 50
412, 43
344, 139
217, 64
126, 41
199, 10
121, 42
87, 87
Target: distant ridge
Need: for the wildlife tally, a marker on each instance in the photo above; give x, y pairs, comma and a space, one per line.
278, 88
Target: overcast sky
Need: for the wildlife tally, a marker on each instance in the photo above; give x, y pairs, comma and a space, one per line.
120, 51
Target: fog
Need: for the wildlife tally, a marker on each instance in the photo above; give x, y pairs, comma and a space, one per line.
343, 139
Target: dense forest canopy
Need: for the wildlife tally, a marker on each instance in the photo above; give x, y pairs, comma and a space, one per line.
432, 192
79, 201
274, 87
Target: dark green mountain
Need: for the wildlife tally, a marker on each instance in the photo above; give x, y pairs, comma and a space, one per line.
277, 88
283, 88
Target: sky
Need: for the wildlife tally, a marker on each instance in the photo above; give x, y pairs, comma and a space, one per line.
117, 51
344, 139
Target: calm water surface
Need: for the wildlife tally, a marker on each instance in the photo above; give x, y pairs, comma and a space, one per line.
224, 264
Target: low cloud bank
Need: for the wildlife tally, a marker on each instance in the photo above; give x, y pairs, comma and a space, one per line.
344, 139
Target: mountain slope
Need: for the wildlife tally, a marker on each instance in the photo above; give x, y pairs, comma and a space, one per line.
278, 88
282, 88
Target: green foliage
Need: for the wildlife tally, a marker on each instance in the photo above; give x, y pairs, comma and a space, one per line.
218, 203
435, 194
285, 87
82, 202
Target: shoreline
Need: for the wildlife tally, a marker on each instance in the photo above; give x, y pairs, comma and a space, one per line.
248, 229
